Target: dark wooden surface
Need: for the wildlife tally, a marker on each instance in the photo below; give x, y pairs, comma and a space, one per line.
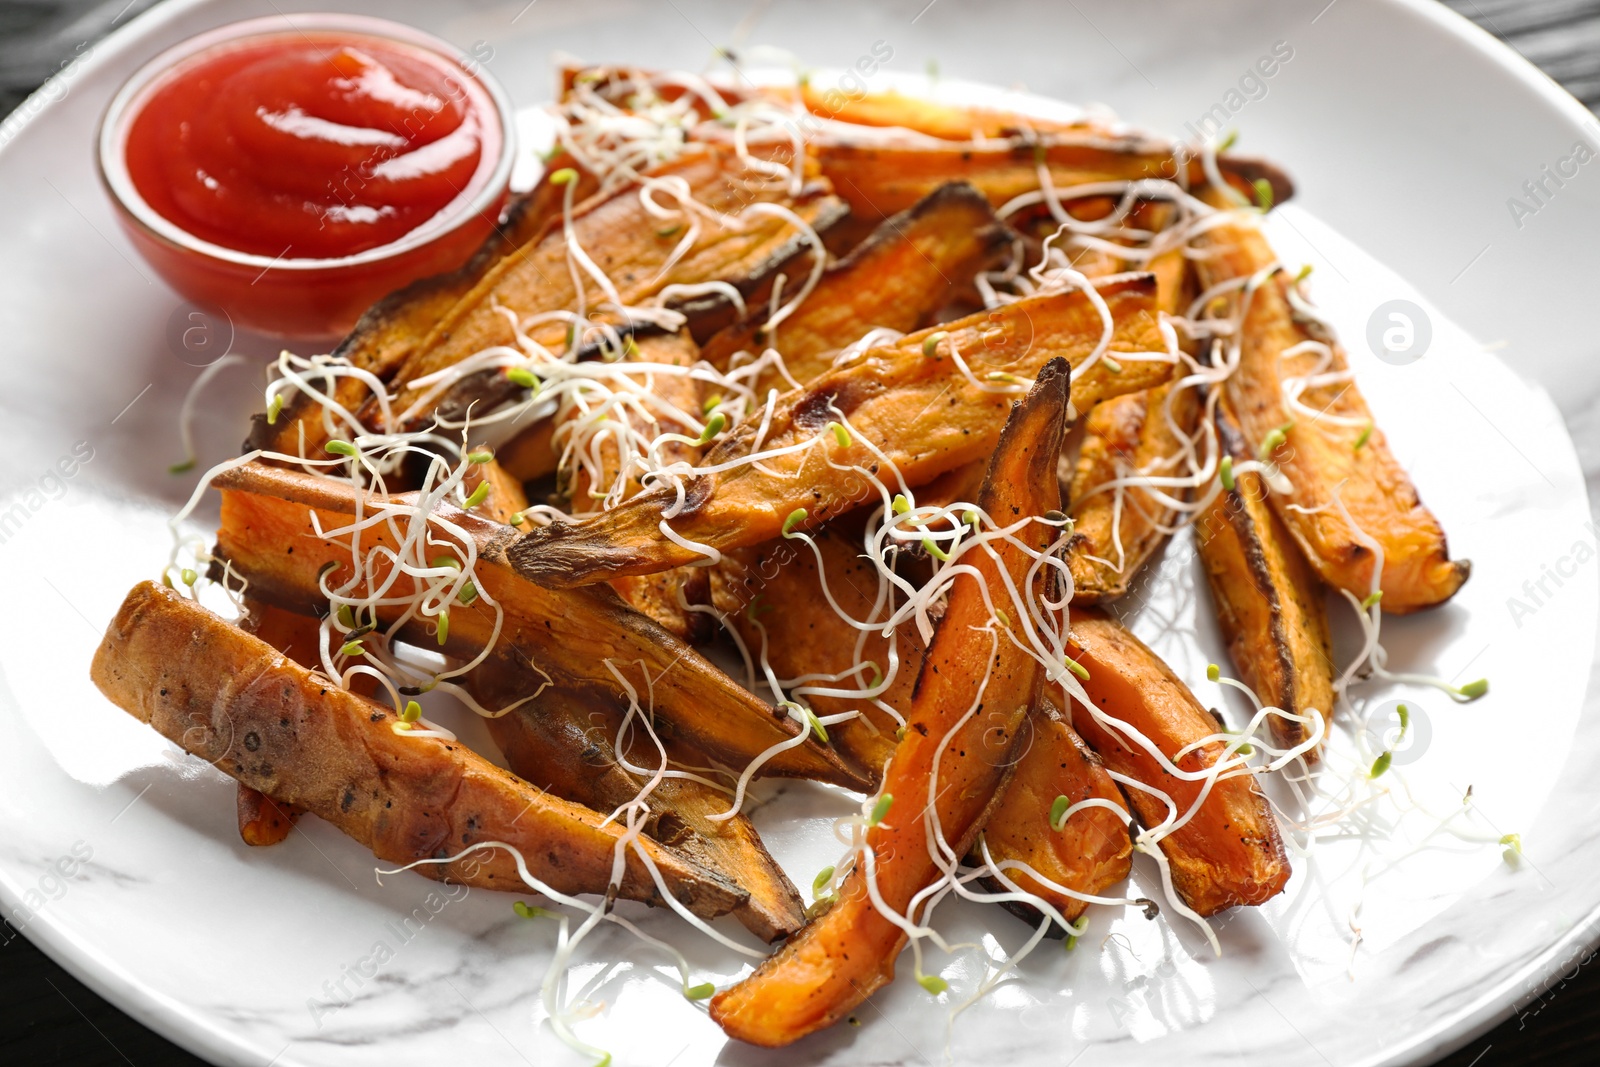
49, 1018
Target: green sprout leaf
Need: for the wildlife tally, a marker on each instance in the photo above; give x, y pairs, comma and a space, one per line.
1058, 812
714, 426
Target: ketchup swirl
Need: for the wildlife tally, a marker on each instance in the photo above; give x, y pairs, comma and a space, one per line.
309, 146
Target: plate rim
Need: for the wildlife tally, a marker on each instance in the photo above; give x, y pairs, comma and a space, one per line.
182, 1025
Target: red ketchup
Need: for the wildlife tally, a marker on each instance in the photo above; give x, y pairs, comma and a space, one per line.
307, 149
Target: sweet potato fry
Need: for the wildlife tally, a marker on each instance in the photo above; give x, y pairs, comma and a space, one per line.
267, 510
772, 595
393, 327
919, 410
632, 247
531, 453
600, 464
949, 122
1268, 602
1229, 852
1117, 530
897, 278
262, 820
564, 743
957, 757
1091, 851
879, 177
1323, 458
233, 700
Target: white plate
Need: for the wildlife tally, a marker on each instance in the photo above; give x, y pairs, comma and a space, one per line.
1407, 131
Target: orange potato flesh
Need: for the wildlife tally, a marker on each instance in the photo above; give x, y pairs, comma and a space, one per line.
1112, 539
1230, 852
841, 957
772, 595
904, 272
1091, 851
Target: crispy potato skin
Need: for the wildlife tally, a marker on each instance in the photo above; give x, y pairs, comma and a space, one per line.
1091, 851
840, 958
906, 270
921, 413
236, 702
266, 510
1230, 852
1124, 434
564, 744
1268, 602
262, 820
1320, 459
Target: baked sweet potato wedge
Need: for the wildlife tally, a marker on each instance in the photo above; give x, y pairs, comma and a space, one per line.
565, 744
595, 458
391, 329
771, 594
236, 702
1268, 602
1229, 852
1090, 852
972, 695
1324, 459
571, 637
919, 411
262, 820
773, 597
906, 270
949, 122
635, 249
880, 176
1117, 528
